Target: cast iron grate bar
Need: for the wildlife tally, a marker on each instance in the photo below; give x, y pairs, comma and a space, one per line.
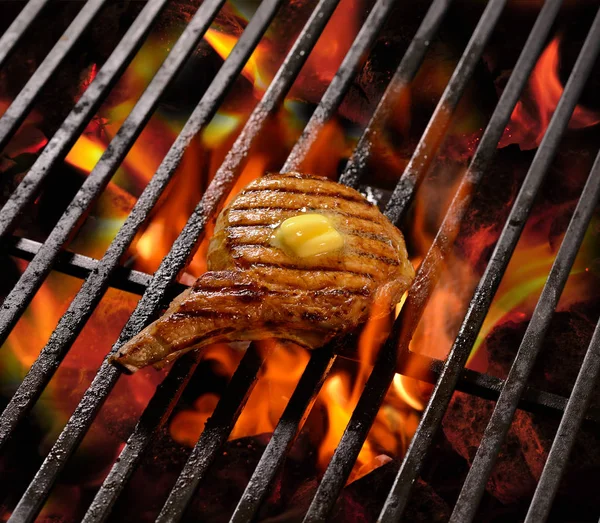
383, 372
157, 412
320, 362
567, 431
488, 387
32, 278
215, 434
434, 412
162, 402
18, 109
191, 475
427, 148
165, 276
285, 433
201, 115
79, 117
175, 382
404, 74
79, 266
514, 385
135, 282
495, 432
94, 287
471, 382
19, 27
340, 84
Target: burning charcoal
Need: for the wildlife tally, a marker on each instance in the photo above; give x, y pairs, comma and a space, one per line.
361, 501
227, 479
463, 426
491, 205
569, 335
555, 371
530, 437
370, 493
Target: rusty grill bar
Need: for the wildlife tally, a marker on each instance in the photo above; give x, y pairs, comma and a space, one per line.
156, 290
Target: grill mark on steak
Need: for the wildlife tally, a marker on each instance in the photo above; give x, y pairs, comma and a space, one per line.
184, 313
333, 195
364, 254
366, 218
190, 342
291, 291
294, 267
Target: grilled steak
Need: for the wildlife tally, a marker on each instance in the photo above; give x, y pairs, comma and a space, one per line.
258, 287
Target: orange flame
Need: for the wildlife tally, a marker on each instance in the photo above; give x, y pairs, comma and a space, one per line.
521, 285
531, 117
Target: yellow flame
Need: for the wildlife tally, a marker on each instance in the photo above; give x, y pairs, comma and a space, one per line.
86, 153
401, 386
223, 44
220, 129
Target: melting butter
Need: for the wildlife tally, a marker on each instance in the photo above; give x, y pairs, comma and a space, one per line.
308, 235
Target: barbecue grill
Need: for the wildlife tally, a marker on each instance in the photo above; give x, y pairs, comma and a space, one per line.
446, 376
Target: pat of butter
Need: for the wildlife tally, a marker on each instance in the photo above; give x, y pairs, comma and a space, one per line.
308, 235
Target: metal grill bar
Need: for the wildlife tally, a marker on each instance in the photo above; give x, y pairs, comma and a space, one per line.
19, 27
18, 109
79, 117
165, 276
94, 287
30, 281
190, 477
215, 434
567, 431
404, 74
436, 129
470, 381
503, 413
514, 385
143, 434
333, 96
80, 266
383, 372
321, 361
157, 412
245, 376
283, 437
434, 412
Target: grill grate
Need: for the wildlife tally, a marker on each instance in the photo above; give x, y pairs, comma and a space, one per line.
156, 290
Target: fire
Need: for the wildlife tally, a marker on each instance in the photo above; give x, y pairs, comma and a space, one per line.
255, 69
334, 43
397, 419
395, 423
532, 114
86, 153
63, 393
521, 285
284, 363
282, 369
525, 277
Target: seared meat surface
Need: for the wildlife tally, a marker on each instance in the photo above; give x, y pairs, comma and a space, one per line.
256, 288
